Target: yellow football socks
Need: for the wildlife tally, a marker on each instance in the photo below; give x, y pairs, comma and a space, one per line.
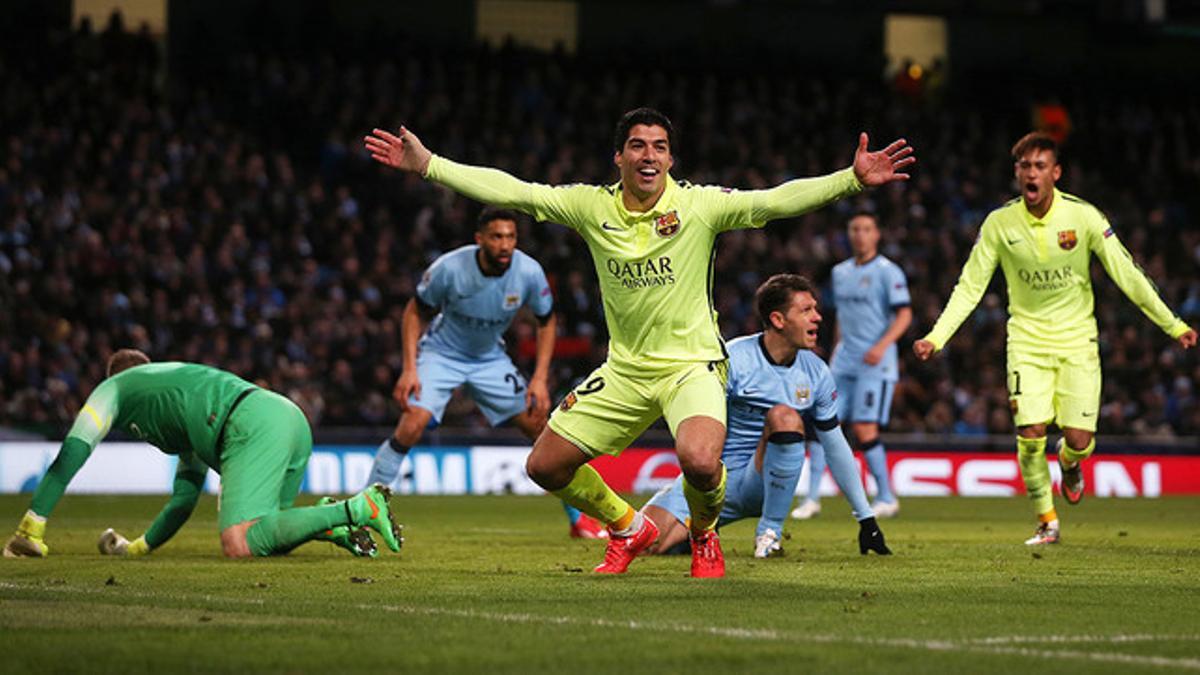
705, 507
1070, 456
1031, 456
588, 492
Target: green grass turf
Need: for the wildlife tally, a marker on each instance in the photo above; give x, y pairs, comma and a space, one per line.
493, 584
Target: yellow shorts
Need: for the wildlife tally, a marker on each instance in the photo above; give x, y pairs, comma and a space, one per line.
1062, 388
610, 409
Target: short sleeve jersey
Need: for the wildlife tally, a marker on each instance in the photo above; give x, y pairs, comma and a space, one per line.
756, 384
866, 298
475, 309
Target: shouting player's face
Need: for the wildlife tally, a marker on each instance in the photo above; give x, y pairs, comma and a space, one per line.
800, 322
644, 161
497, 241
1037, 171
864, 236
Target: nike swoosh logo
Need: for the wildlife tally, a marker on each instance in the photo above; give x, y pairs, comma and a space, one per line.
1087, 414
608, 227
1013, 242
374, 508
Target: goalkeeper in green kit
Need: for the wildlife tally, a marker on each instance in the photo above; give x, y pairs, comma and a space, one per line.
258, 441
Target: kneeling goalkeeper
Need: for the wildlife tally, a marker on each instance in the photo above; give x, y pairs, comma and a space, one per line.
258, 441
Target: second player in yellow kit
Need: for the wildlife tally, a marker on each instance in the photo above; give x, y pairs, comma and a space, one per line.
1044, 241
652, 243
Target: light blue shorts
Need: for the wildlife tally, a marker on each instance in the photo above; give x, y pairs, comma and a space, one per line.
495, 385
864, 398
743, 497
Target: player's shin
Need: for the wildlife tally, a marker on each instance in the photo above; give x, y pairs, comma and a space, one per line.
782, 463
876, 458
283, 531
1031, 456
388, 459
705, 505
588, 492
1070, 456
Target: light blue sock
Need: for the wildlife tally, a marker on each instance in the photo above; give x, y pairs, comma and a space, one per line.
845, 471
781, 471
572, 513
816, 469
876, 458
388, 459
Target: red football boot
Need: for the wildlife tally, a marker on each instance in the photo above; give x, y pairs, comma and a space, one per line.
622, 550
588, 528
707, 559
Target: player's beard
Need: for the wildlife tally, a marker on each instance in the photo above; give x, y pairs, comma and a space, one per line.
494, 265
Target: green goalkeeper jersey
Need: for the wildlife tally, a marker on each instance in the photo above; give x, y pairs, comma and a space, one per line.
655, 268
177, 407
1046, 265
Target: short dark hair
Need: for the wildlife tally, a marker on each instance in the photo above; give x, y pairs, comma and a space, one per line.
124, 359
775, 294
490, 214
1034, 140
647, 116
864, 213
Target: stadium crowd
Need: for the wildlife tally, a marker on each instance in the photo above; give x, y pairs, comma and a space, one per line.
229, 216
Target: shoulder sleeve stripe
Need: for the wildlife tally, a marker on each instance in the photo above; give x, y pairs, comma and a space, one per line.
99, 422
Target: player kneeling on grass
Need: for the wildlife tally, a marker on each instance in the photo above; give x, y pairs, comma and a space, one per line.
256, 439
773, 380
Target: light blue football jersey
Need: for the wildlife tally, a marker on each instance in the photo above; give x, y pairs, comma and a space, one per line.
866, 298
475, 309
756, 384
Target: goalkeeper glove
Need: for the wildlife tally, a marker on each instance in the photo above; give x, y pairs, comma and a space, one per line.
870, 537
28, 541
114, 543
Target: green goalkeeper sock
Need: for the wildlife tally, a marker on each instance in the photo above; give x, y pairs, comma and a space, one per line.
283, 531
1070, 456
588, 492
1031, 455
705, 507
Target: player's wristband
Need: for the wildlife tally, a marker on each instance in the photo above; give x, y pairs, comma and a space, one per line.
138, 547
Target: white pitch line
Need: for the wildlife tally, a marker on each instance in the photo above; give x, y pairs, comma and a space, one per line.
984, 645
972, 645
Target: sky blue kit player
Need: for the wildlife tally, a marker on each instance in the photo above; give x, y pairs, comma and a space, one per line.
777, 391
870, 294
464, 303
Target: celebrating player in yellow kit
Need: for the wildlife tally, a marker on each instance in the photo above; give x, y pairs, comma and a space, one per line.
1044, 240
652, 242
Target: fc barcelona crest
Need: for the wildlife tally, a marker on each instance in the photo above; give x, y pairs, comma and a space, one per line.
667, 225
568, 401
1067, 240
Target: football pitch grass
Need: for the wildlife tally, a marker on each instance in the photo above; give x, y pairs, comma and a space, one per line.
493, 584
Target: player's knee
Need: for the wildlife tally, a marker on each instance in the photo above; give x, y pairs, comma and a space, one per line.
233, 542
1077, 439
784, 418
700, 468
408, 431
1032, 431
547, 474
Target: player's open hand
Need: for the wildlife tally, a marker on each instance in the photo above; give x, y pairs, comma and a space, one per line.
924, 349
1188, 339
402, 150
408, 386
537, 398
882, 166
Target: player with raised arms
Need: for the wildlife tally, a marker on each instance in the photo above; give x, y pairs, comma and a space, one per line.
258, 441
652, 243
778, 392
1044, 240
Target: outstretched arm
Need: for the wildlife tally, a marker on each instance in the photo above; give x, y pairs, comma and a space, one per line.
404, 151
752, 208
1132, 280
974, 280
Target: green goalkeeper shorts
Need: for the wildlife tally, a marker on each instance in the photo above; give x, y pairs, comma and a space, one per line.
265, 452
610, 409
1062, 388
